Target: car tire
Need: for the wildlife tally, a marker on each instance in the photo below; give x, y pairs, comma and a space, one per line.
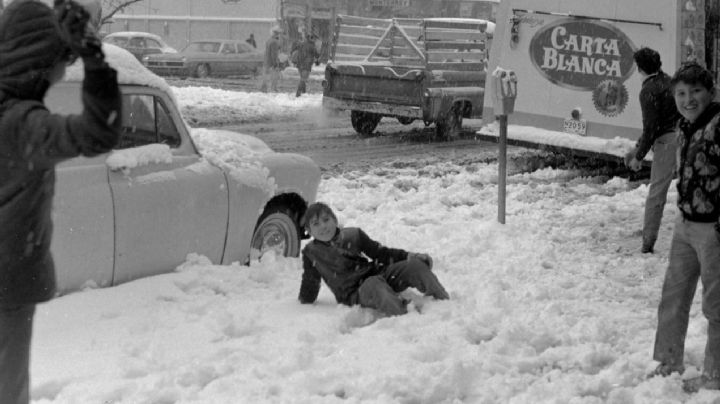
202, 70
405, 120
363, 122
276, 230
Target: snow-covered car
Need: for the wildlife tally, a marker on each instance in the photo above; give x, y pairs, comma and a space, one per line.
169, 190
139, 43
222, 57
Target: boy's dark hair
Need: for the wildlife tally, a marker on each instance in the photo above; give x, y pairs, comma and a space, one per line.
315, 210
648, 60
693, 73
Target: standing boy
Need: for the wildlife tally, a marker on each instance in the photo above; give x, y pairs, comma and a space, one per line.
306, 55
359, 270
659, 117
271, 64
35, 45
695, 247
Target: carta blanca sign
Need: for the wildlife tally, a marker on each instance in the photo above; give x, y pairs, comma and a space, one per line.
580, 54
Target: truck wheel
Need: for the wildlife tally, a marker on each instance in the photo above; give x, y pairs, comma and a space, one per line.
364, 123
405, 120
448, 127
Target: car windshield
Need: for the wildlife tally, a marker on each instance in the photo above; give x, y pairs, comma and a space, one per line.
202, 47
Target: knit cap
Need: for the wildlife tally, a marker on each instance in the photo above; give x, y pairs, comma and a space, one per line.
29, 40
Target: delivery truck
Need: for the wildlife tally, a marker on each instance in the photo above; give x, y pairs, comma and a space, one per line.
577, 83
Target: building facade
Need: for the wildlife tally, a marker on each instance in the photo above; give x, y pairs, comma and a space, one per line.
182, 21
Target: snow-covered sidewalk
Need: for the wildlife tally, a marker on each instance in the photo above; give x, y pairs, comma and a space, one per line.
556, 306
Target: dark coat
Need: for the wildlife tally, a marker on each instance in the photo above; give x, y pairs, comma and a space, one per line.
307, 54
272, 52
659, 113
32, 142
698, 182
343, 263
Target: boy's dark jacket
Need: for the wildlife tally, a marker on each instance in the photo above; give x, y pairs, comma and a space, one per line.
659, 113
699, 166
343, 265
33, 141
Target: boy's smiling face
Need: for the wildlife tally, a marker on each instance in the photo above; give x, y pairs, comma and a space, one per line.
322, 227
692, 99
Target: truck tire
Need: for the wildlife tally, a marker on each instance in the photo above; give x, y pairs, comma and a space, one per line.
364, 123
448, 127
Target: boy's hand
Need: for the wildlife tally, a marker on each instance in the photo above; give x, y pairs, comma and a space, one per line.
73, 19
427, 259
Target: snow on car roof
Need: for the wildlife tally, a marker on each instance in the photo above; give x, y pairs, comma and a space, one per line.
132, 33
130, 70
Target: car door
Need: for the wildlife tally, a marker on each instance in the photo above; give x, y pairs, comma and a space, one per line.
248, 60
165, 208
228, 56
83, 227
152, 47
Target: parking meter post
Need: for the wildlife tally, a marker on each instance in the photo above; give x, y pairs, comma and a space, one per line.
502, 168
505, 91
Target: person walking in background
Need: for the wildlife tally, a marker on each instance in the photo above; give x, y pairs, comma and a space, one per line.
36, 43
271, 64
303, 55
251, 40
695, 246
358, 269
659, 117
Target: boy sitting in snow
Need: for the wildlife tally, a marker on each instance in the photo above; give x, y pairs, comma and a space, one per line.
339, 256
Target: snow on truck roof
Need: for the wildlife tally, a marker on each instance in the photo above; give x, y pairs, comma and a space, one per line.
130, 70
490, 25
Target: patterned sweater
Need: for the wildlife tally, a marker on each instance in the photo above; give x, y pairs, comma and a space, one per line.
699, 166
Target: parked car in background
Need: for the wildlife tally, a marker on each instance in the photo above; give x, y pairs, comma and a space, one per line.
222, 57
139, 43
168, 190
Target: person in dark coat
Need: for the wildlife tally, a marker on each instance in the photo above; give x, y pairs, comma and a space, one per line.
304, 53
695, 247
659, 117
272, 63
36, 43
251, 40
358, 269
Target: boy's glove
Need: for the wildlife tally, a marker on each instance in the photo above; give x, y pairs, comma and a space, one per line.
427, 259
73, 19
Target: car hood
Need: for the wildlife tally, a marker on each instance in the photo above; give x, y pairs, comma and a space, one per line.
251, 161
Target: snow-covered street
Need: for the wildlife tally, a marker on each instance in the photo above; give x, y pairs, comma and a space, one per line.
556, 306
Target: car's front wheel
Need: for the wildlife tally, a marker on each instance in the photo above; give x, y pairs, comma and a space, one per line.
276, 230
202, 70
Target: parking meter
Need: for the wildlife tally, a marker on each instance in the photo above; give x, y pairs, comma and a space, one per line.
505, 91
504, 84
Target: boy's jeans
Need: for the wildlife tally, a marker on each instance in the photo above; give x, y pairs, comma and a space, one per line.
694, 253
661, 175
380, 292
15, 335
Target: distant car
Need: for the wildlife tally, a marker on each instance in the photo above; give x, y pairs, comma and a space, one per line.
167, 190
205, 58
139, 43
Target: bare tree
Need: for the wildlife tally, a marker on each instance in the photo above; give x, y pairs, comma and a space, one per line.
112, 7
